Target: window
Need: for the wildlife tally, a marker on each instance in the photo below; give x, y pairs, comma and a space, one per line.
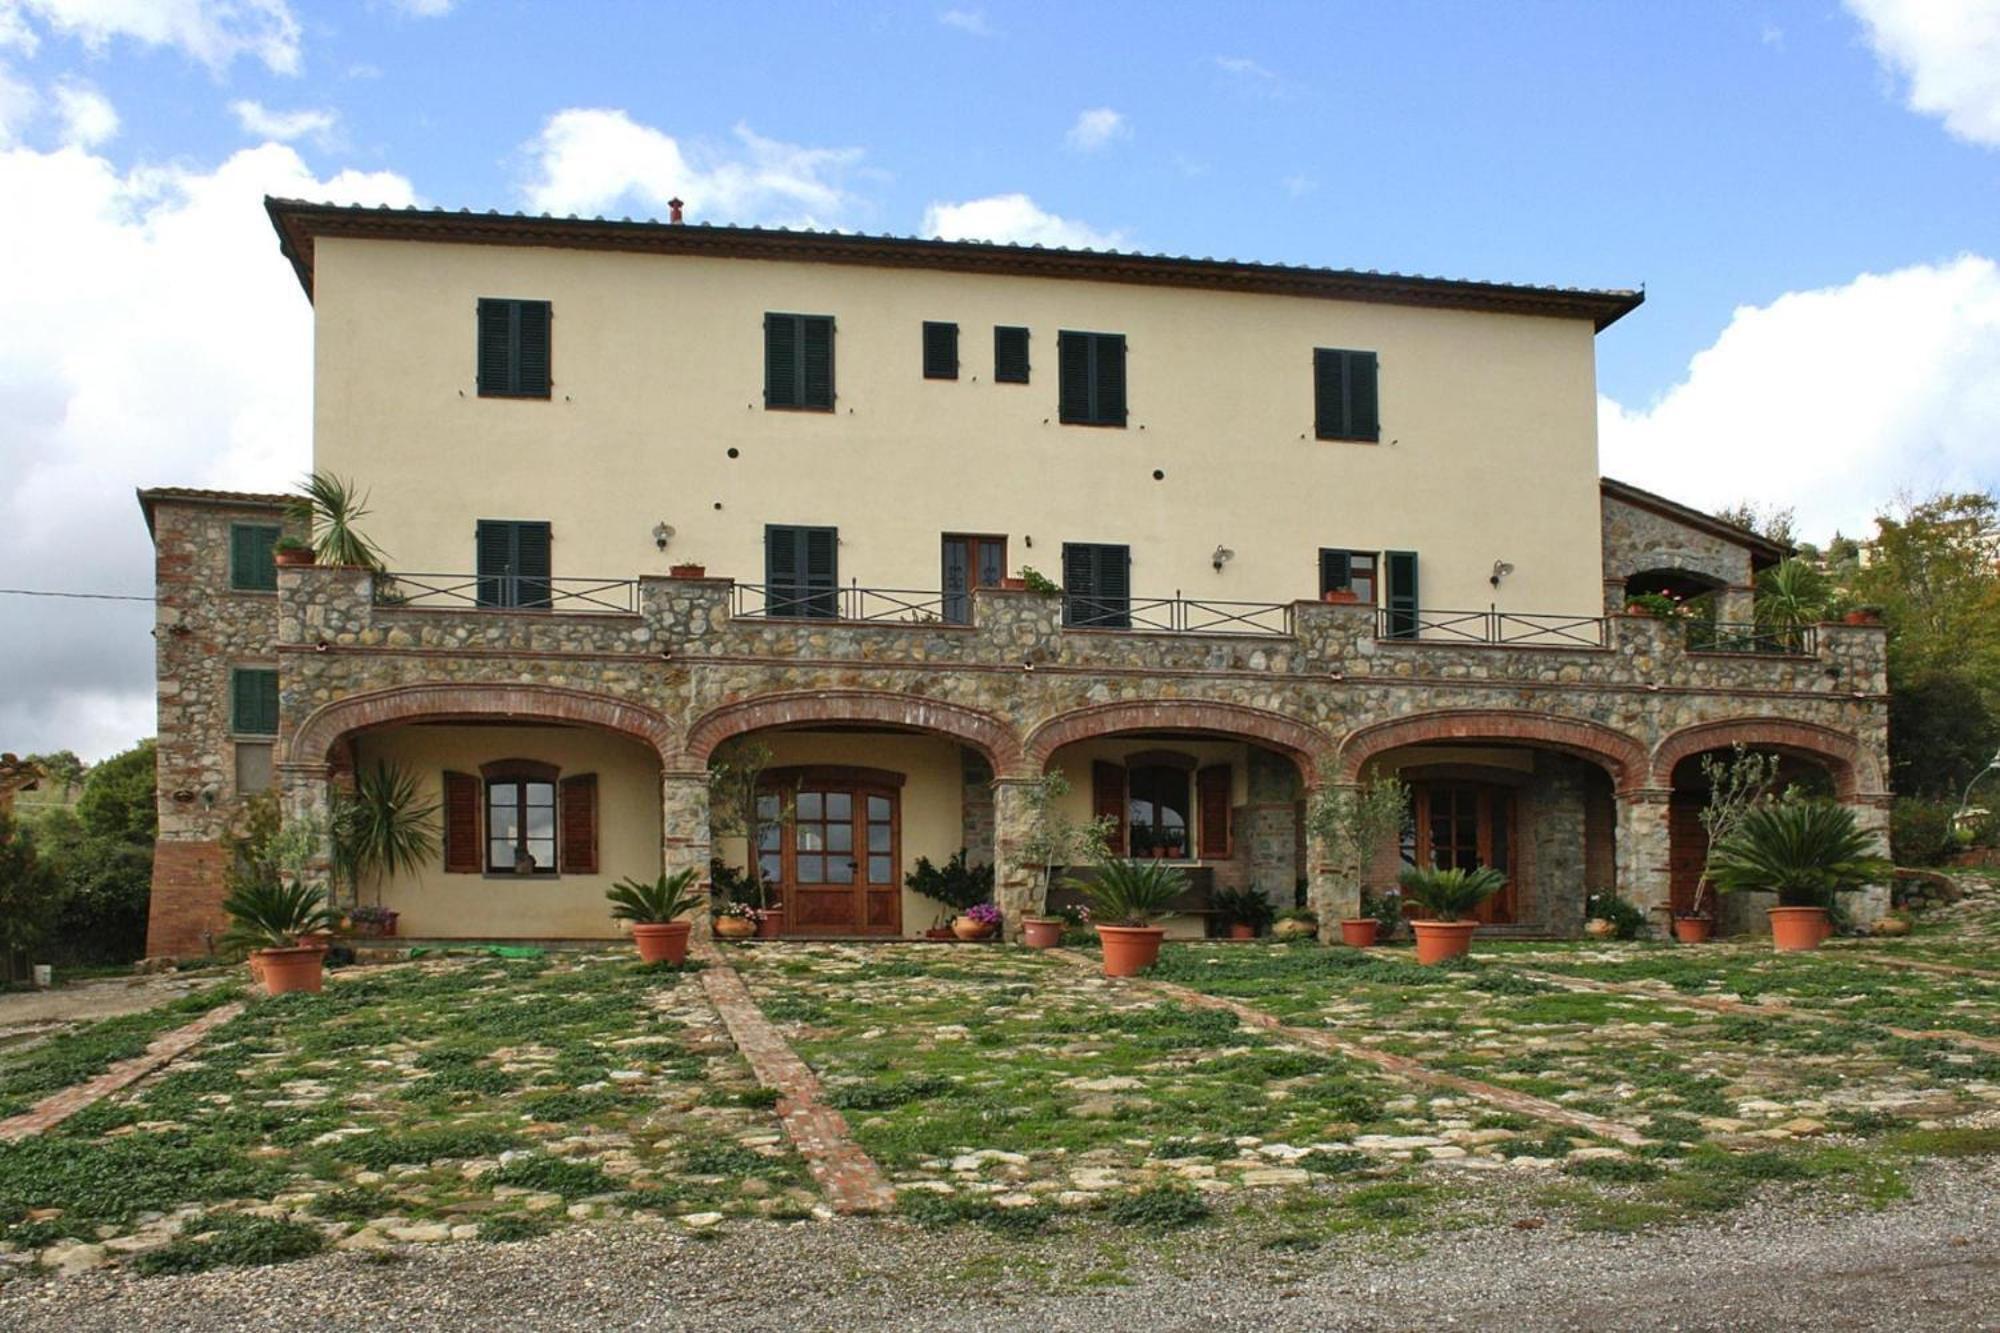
1157, 806
253, 701
521, 824
1093, 378
1403, 618
940, 351
1010, 355
513, 558
1344, 401
798, 362
252, 565
253, 768
1097, 586
801, 572
517, 818
1162, 803
970, 562
1350, 572
513, 348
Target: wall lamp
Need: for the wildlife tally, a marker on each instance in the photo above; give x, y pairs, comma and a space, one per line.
1223, 555
662, 534
1501, 569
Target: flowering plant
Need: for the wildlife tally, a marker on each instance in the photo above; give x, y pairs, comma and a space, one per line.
743, 910
1075, 915
986, 914
371, 916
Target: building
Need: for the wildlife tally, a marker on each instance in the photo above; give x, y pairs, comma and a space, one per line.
1309, 524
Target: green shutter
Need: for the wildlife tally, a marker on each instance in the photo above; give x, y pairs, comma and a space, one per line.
531, 349
781, 360
1097, 585
513, 360
253, 703
1344, 395
1073, 363
940, 350
1401, 594
1362, 423
513, 562
1107, 375
816, 361
801, 571
1336, 571
252, 565
1010, 355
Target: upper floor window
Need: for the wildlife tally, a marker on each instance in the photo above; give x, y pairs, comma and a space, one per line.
1404, 615
1010, 354
1348, 572
520, 817
514, 560
798, 361
253, 701
970, 562
940, 351
252, 565
802, 572
1097, 585
1344, 397
513, 348
1093, 378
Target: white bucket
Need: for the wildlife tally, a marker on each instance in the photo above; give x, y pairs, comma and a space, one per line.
45, 975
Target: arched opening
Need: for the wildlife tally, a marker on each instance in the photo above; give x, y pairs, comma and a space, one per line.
1679, 583
1694, 777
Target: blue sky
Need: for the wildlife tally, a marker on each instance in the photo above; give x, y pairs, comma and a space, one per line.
1810, 193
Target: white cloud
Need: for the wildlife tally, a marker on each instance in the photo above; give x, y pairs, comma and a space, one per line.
18, 104
214, 32
1252, 77
1949, 50
1097, 128
970, 21
425, 9
260, 122
1830, 400
593, 160
88, 118
1013, 218
1298, 185
154, 337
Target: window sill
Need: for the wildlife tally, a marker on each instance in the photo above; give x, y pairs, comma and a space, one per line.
252, 592
1349, 439
789, 407
539, 877
1101, 425
548, 397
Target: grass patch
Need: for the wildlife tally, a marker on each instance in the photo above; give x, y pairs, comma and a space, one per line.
1159, 1208
235, 1241
556, 1175
508, 1228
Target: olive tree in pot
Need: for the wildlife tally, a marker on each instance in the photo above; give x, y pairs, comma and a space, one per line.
656, 911
1126, 898
1353, 824
1448, 895
742, 804
1736, 786
1055, 842
268, 917
1805, 850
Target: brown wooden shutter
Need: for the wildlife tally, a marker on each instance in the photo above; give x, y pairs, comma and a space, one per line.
462, 852
1212, 793
579, 825
1107, 797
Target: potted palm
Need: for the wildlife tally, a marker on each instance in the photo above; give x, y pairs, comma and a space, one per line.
328, 507
1448, 895
1805, 851
1126, 898
1244, 913
656, 910
268, 917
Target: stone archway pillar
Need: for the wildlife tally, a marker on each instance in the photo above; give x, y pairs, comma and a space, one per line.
1871, 904
1333, 884
684, 831
305, 795
1644, 853
1017, 882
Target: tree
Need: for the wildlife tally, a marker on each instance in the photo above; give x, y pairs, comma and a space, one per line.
1771, 522
1942, 730
65, 770
28, 895
120, 796
739, 806
102, 860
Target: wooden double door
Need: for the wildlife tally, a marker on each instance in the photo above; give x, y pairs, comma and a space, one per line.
1468, 825
837, 858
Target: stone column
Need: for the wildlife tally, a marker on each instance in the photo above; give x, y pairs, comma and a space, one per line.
1268, 826
1871, 816
305, 793
1644, 877
684, 835
1333, 887
1017, 887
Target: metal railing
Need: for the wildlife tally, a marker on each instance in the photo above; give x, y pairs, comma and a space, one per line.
904, 606
1177, 615
1704, 636
1526, 629
508, 592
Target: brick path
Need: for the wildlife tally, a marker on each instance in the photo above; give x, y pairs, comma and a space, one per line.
1398, 1065
1856, 954
166, 1047
847, 1176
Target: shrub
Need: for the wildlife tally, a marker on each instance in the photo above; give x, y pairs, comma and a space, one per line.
955, 886
1242, 906
1805, 851
1606, 905
1920, 831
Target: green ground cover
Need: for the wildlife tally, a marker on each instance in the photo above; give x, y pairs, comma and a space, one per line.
33, 1070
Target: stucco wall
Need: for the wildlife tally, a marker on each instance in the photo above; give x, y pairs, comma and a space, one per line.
658, 372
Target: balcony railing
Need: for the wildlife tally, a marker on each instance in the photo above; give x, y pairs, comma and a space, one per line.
1177, 615
1525, 629
904, 606
508, 592
1704, 636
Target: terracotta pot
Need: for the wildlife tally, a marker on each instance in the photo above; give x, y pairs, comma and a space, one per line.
1891, 925
1358, 932
1340, 597
1600, 929
286, 970
1014, 585
967, 929
1794, 929
284, 557
1129, 950
1292, 928
735, 927
1240, 931
317, 939
1693, 929
256, 970
1861, 618
939, 933
771, 925
662, 941
1441, 941
1038, 934
688, 571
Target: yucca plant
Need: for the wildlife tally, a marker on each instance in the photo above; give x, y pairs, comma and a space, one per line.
1449, 894
1805, 851
1130, 893
665, 899
1791, 595
383, 826
329, 507
271, 914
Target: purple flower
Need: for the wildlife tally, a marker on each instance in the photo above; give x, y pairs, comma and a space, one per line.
986, 914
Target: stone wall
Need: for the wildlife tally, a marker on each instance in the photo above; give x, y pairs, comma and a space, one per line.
1638, 540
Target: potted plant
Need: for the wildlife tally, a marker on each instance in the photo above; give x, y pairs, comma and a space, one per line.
1054, 841
328, 508
1737, 784
741, 805
1862, 615
377, 921
380, 829
687, 569
1654, 604
292, 551
736, 921
1381, 916
1353, 823
1031, 580
1340, 597
977, 922
1448, 895
955, 886
1244, 913
1805, 850
1042, 932
656, 910
1296, 923
268, 918
1126, 898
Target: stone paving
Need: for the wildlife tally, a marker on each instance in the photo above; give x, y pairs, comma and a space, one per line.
55, 1109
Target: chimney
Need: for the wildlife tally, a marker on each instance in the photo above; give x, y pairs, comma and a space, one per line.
675, 206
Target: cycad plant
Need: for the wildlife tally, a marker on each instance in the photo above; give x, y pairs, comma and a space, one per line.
655, 903
1130, 893
383, 826
329, 507
1791, 595
1803, 850
272, 914
1449, 894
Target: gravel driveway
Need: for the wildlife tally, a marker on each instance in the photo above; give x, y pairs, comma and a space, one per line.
1931, 1263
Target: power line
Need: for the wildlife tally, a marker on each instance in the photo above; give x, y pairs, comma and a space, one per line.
80, 596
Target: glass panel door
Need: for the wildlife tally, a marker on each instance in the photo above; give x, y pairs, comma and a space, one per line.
970, 562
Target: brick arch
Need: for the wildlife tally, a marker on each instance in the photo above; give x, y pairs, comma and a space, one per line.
1621, 756
991, 736
466, 701
1853, 771
1300, 743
